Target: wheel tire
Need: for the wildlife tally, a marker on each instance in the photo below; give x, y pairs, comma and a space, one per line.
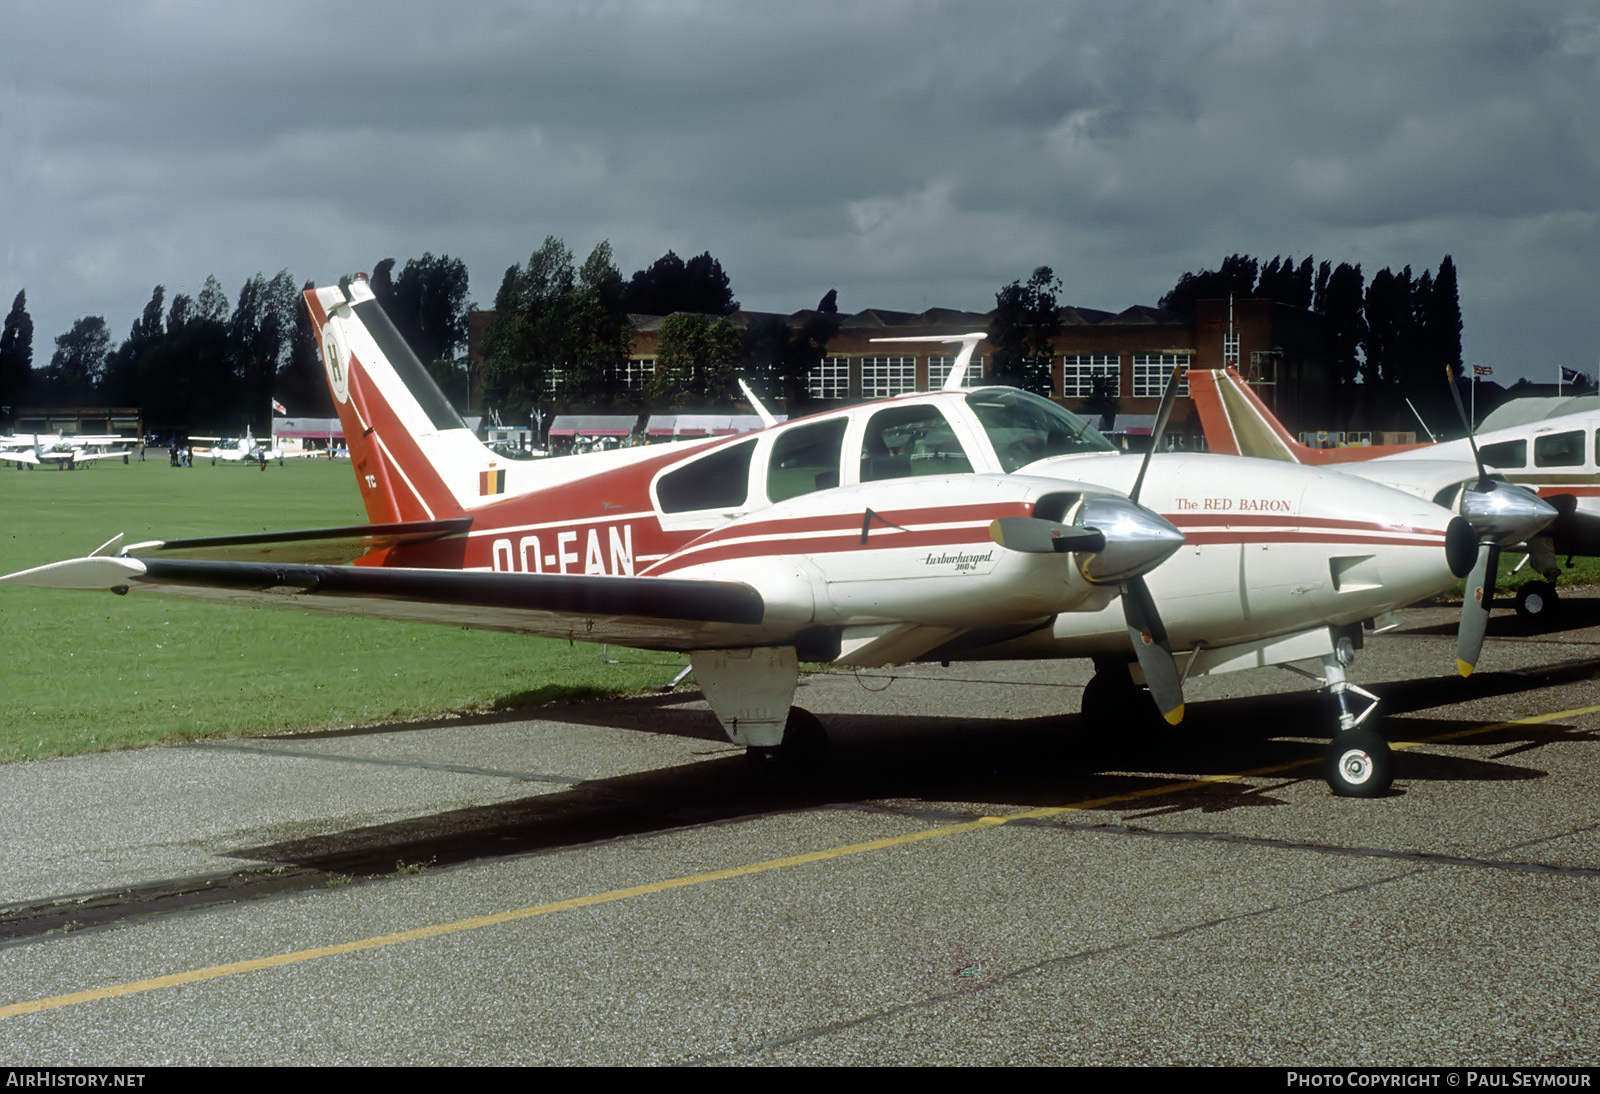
1111, 700
1359, 764
805, 748
1108, 697
1537, 600
803, 756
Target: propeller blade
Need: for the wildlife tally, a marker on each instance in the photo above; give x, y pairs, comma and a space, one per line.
1150, 646
1484, 482
1475, 608
1035, 535
1168, 397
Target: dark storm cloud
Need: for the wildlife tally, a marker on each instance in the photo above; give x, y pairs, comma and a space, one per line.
912, 154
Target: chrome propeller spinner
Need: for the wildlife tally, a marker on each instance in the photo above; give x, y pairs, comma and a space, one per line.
1117, 541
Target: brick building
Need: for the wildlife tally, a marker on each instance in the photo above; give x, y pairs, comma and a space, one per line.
1280, 348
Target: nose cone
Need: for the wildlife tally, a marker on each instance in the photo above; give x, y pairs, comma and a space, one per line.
1137, 540
1505, 514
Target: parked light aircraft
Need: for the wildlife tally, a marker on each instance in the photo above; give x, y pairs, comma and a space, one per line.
1557, 457
63, 450
956, 525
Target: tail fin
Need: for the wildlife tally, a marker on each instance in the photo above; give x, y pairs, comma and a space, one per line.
414, 458
1236, 422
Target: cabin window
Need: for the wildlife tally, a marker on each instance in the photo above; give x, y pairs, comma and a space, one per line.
804, 459
1558, 450
910, 440
718, 481
1505, 454
1023, 427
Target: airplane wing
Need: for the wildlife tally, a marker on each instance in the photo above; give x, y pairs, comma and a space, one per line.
324, 546
81, 456
645, 612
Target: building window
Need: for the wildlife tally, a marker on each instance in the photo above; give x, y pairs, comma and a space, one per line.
1150, 372
830, 379
882, 377
636, 372
1079, 370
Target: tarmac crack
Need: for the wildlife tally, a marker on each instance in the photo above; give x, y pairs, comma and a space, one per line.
1036, 968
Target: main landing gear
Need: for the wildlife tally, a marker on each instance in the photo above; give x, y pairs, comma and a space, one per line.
802, 754
1112, 699
1537, 600
1358, 763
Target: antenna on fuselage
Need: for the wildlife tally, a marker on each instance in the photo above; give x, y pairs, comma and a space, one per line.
958, 371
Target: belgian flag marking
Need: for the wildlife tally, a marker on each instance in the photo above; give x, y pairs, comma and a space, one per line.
491, 482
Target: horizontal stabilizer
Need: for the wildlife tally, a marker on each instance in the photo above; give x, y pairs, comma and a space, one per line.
94, 572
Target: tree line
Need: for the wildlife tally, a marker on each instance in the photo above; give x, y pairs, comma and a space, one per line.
561, 333
201, 362
1395, 336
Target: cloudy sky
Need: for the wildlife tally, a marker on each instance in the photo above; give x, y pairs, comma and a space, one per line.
912, 154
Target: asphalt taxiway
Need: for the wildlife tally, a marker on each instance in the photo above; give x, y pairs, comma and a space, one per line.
982, 879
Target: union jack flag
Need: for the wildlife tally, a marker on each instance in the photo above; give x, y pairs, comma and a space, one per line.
1482, 370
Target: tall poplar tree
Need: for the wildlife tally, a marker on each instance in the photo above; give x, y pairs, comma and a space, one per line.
16, 357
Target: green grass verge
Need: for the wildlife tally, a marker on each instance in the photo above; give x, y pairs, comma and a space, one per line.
1584, 571
87, 671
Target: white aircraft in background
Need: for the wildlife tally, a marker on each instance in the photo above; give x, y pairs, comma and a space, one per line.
63, 450
1557, 457
232, 449
246, 449
963, 524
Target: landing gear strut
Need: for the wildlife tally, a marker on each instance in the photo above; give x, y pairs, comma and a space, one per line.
1358, 763
1538, 599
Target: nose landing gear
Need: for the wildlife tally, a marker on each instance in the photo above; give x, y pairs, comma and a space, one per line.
1358, 763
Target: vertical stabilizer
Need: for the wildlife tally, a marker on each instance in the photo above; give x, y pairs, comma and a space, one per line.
414, 458
1237, 423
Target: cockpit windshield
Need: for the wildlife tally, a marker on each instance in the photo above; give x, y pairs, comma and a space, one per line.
1024, 427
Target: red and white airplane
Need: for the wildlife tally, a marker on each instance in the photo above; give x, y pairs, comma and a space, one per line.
956, 525
1557, 457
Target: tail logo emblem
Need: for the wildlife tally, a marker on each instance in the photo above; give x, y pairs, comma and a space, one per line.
336, 370
491, 482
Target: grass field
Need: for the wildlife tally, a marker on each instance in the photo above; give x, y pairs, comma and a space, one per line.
87, 671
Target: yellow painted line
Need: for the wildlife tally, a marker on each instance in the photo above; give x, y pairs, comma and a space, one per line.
1531, 720
440, 930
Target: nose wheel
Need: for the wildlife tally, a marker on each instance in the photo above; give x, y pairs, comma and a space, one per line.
1358, 763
